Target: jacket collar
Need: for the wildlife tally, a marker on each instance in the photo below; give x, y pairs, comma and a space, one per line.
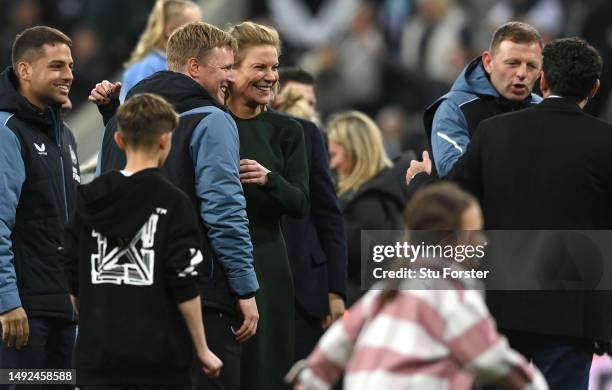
559, 103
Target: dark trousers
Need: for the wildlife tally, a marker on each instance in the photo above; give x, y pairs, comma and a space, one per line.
219, 327
308, 331
564, 361
50, 345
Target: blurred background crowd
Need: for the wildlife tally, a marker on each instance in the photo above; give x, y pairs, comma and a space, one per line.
387, 58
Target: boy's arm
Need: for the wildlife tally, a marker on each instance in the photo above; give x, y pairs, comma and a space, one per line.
192, 314
182, 258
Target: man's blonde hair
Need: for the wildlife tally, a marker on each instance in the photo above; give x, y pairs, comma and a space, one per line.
249, 34
195, 40
363, 145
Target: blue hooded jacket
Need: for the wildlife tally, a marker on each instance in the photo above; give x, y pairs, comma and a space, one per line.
451, 120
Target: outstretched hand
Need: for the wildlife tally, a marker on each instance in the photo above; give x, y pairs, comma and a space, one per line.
417, 167
104, 92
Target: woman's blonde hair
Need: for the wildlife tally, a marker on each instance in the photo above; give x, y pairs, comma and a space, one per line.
362, 142
293, 102
154, 35
249, 34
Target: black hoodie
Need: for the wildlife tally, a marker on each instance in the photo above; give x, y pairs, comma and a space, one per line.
130, 253
40, 171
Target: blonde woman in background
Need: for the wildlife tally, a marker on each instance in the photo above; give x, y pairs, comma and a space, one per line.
370, 189
274, 175
149, 55
293, 102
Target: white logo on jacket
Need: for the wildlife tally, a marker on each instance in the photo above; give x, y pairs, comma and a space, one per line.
134, 262
73, 155
129, 264
41, 149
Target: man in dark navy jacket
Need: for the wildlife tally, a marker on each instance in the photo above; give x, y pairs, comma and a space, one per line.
39, 171
316, 244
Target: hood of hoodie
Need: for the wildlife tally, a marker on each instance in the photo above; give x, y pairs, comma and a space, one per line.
12, 101
118, 206
178, 89
388, 183
474, 79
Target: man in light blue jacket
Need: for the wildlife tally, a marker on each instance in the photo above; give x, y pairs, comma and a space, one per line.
499, 81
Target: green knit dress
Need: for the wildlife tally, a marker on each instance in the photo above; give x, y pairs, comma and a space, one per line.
276, 142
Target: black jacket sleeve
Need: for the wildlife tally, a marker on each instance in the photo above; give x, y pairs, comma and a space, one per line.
108, 110
467, 171
183, 252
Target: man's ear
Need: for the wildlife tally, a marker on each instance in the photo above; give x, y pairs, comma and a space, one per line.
24, 70
486, 60
544, 83
193, 67
594, 89
119, 140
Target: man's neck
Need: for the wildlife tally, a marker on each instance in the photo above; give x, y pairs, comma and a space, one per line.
547, 94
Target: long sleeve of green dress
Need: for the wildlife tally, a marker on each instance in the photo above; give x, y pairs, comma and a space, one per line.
288, 188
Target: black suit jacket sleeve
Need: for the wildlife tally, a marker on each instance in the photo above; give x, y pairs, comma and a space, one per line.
327, 216
467, 171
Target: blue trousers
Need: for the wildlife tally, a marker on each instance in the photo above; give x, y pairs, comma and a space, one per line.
50, 345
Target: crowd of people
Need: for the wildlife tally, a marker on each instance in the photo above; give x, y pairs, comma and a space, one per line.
221, 244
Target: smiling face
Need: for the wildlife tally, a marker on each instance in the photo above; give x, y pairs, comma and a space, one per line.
216, 74
514, 68
255, 76
48, 76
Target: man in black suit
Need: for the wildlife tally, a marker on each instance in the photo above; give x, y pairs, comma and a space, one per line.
547, 167
316, 245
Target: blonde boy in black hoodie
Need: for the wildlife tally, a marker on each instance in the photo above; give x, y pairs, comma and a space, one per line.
130, 253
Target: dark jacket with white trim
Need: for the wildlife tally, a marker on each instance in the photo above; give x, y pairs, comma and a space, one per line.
39, 171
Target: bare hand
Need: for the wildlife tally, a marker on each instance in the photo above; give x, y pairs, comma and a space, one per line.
15, 328
211, 364
336, 310
252, 172
417, 167
104, 92
250, 315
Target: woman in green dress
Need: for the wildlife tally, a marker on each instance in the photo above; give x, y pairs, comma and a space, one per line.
274, 175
